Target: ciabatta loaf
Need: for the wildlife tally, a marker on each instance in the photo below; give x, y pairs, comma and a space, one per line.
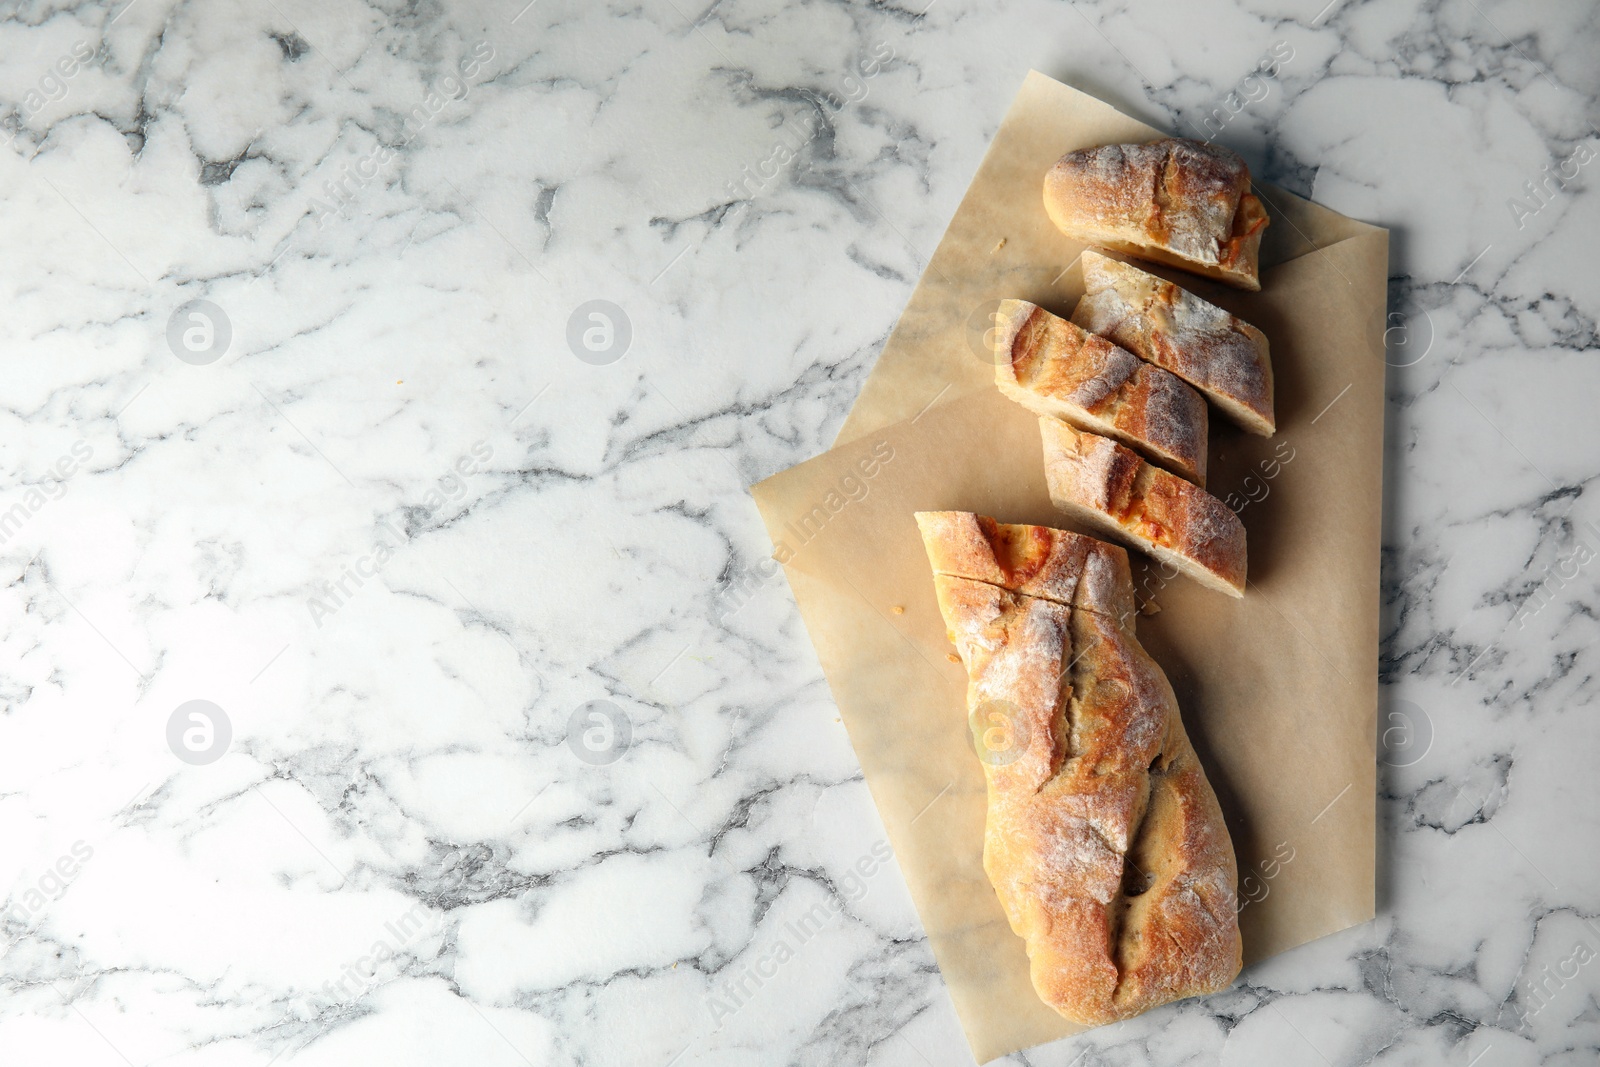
1224, 357
1053, 367
1109, 488
1182, 202
1103, 839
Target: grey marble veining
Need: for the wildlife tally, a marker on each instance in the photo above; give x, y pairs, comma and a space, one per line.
511, 752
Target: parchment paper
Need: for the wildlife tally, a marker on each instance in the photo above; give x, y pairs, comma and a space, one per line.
1278, 690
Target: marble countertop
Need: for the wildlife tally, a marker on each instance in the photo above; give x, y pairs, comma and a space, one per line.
383, 384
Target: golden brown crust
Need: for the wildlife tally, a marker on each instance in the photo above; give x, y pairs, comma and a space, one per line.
1176, 201
1104, 841
1052, 367
1037, 561
1224, 357
1029, 559
1108, 487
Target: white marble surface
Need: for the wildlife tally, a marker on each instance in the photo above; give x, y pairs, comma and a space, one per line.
398, 857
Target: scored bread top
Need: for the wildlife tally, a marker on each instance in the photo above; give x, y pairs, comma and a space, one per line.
1176, 200
1054, 367
1068, 568
1219, 354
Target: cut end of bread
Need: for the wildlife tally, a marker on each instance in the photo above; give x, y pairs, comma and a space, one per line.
1246, 418
1232, 275
1009, 321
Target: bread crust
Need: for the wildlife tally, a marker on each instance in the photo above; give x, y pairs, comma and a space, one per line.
1037, 561
1053, 367
1108, 487
1104, 841
1176, 201
1224, 357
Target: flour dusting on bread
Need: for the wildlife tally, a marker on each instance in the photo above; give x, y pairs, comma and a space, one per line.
1217, 353
1103, 840
1177, 201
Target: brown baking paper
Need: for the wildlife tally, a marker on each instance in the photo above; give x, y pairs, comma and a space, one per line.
1278, 690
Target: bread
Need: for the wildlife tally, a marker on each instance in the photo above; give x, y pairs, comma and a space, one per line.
1103, 838
1034, 560
1053, 367
1175, 201
1110, 489
1222, 356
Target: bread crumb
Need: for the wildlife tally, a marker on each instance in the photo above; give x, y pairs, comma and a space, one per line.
898, 609
999, 246
1149, 607
952, 657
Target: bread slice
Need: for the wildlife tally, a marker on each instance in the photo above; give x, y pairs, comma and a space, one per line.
1110, 489
1104, 840
1181, 202
1224, 357
1052, 367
